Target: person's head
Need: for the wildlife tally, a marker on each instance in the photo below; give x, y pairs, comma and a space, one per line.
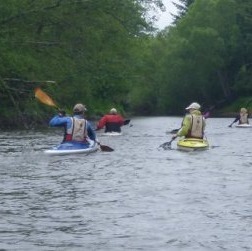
193, 106
113, 111
79, 109
243, 110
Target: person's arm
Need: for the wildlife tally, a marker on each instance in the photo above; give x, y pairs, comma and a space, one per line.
58, 121
183, 131
204, 125
235, 120
101, 123
121, 120
91, 132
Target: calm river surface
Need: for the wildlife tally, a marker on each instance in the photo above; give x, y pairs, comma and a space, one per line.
138, 197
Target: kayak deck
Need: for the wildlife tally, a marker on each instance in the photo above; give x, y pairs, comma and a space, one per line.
112, 134
191, 144
243, 126
72, 148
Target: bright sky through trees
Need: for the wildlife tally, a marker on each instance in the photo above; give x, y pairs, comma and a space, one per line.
165, 18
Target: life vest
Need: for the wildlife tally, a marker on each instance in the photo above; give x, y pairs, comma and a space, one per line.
243, 118
196, 130
78, 131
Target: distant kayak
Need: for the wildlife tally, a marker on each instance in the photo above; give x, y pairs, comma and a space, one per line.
73, 148
112, 134
243, 126
191, 144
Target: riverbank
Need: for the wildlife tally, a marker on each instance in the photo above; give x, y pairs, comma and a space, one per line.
233, 109
40, 119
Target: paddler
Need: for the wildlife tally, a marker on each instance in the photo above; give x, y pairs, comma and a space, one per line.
193, 124
77, 128
242, 117
112, 121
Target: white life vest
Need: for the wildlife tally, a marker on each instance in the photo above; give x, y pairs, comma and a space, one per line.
243, 118
196, 130
78, 130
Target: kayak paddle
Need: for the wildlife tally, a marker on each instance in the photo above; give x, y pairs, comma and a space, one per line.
231, 124
45, 99
173, 131
167, 145
126, 122
105, 148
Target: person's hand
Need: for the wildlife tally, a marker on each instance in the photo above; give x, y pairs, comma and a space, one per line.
62, 113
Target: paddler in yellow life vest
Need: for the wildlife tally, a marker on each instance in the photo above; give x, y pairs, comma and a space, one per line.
242, 117
193, 124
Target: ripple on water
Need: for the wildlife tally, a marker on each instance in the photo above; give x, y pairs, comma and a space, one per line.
135, 198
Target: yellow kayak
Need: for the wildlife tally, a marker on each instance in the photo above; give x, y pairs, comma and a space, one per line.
191, 144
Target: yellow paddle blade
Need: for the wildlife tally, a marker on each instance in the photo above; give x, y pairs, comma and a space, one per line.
43, 97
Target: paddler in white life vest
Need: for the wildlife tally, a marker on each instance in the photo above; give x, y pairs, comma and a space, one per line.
193, 124
77, 128
242, 117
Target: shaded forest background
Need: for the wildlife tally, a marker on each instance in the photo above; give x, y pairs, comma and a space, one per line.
107, 53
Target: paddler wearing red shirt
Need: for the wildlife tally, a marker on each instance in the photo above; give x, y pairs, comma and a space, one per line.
112, 122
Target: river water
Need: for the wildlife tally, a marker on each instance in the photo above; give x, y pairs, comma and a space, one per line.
138, 197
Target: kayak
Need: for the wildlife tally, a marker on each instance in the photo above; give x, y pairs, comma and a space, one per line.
73, 148
112, 134
191, 144
243, 126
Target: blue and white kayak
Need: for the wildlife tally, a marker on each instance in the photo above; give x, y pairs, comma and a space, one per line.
243, 126
73, 148
192, 144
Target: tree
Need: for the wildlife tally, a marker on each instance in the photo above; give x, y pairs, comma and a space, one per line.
182, 7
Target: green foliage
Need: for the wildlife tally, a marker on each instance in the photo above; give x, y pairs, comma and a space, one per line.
201, 58
87, 47
103, 54
237, 105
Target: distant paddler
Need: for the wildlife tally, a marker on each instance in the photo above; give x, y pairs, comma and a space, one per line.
241, 118
112, 122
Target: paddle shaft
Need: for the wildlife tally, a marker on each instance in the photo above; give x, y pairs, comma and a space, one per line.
126, 122
231, 124
167, 145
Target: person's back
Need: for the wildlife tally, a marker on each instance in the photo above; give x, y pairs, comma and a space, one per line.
241, 118
77, 129
193, 124
196, 125
112, 121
